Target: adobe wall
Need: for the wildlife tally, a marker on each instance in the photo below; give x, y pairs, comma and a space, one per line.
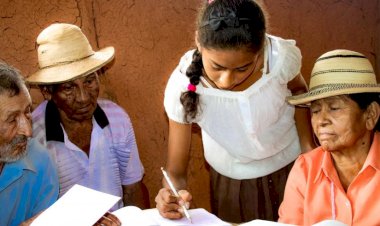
150, 36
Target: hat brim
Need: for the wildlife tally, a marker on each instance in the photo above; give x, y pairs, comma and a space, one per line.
70, 71
329, 91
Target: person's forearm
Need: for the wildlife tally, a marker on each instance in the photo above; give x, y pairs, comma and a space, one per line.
178, 154
179, 182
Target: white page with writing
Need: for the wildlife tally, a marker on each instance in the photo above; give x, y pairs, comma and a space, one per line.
79, 206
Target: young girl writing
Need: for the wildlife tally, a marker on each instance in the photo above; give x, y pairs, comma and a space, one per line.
234, 87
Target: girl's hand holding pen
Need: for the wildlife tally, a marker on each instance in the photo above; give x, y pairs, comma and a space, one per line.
169, 206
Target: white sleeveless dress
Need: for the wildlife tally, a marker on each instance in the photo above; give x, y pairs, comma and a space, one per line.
251, 133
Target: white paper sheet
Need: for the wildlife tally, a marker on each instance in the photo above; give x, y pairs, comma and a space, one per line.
198, 216
131, 215
271, 223
264, 223
330, 223
80, 206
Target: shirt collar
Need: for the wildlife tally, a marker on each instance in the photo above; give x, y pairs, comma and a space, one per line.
327, 166
54, 130
14, 170
23, 163
373, 157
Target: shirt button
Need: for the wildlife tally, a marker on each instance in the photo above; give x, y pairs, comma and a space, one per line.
347, 203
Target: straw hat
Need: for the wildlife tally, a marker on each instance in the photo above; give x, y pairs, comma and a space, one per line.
64, 54
339, 72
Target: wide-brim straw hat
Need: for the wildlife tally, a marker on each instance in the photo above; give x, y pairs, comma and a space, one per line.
338, 72
64, 54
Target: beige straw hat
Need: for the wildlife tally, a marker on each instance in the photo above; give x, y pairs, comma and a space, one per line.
64, 54
338, 72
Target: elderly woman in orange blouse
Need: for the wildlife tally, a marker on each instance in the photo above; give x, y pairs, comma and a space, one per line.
340, 180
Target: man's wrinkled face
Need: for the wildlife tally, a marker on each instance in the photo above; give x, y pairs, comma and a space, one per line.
77, 99
15, 125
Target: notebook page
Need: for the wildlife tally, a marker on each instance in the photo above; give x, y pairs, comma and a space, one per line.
198, 216
132, 215
264, 223
271, 223
330, 223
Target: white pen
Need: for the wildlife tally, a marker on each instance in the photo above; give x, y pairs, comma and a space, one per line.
175, 193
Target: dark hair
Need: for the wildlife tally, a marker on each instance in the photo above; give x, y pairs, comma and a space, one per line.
11, 81
364, 100
223, 24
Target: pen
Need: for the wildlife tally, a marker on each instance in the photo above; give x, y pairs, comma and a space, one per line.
175, 193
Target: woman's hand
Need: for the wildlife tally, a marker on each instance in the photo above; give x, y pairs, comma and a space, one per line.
169, 206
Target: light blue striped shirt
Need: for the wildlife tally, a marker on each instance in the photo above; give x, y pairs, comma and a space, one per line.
113, 159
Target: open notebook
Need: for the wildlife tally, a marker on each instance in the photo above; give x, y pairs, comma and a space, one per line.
131, 215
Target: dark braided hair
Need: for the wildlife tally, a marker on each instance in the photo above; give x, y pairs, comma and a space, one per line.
190, 99
223, 24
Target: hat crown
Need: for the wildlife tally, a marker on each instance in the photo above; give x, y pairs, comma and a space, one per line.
338, 72
342, 67
60, 44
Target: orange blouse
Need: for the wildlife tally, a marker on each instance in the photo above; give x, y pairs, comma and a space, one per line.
314, 193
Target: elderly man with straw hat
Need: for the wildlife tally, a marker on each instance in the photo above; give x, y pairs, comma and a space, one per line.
91, 139
340, 179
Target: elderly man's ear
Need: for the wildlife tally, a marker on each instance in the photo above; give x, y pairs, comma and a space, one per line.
373, 114
45, 92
